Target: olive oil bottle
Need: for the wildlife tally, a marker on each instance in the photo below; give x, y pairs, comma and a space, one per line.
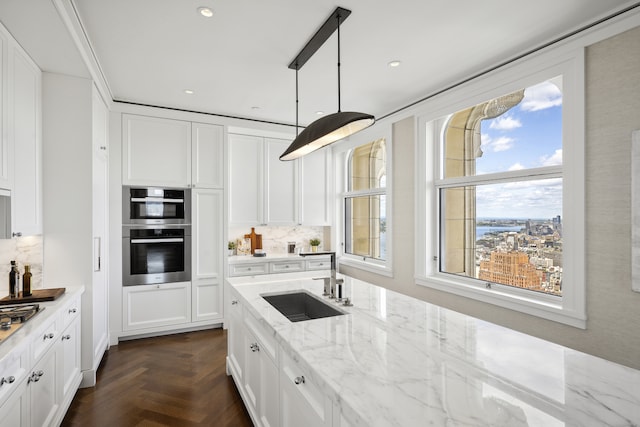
26, 281
14, 281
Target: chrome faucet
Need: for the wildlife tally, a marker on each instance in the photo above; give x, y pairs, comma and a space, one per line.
329, 282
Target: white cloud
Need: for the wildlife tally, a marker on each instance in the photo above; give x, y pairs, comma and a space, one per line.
505, 122
541, 96
553, 160
516, 167
502, 143
520, 199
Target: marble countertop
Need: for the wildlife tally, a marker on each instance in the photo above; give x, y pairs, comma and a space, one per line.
239, 259
397, 361
18, 339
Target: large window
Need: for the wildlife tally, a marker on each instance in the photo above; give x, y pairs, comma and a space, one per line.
501, 190
365, 222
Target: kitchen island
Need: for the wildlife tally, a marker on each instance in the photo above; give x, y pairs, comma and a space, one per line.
393, 360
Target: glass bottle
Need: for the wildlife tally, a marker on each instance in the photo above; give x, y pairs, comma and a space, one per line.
26, 281
14, 281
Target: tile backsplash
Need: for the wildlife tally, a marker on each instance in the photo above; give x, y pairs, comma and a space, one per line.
24, 250
275, 239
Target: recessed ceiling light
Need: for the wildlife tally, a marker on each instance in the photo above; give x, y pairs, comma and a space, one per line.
394, 64
188, 91
205, 11
255, 107
319, 113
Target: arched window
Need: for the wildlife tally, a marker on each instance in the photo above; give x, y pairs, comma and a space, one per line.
365, 201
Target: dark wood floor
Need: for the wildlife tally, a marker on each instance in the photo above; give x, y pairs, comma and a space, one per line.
175, 380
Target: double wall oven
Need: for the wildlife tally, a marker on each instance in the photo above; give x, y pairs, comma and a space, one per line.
156, 235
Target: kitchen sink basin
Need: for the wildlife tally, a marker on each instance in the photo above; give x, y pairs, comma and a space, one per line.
300, 305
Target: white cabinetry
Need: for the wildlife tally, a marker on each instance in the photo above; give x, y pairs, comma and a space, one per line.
302, 402
290, 265
206, 271
207, 156
45, 371
262, 189
5, 175
253, 362
315, 185
153, 306
156, 152
171, 153
75, 120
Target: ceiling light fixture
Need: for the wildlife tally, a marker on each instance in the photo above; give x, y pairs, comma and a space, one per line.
205, 11
188, 91
333, 127
394, 64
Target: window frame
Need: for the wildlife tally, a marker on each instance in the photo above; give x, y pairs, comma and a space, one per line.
569, 309
341, 153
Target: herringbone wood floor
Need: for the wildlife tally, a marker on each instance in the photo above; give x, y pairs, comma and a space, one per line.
175, 380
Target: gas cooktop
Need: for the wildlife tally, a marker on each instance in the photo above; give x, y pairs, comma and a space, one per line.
12, 317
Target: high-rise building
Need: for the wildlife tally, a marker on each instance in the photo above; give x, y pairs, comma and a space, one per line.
510, 268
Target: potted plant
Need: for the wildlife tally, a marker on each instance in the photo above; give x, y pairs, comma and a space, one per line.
231, 246
314, 244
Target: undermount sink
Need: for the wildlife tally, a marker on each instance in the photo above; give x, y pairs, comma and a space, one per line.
300, 305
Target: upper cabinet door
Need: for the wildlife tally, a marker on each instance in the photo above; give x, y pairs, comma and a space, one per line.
207, 153
246, 176
315, 187
25, 136
5, 176
156, 152
281, 201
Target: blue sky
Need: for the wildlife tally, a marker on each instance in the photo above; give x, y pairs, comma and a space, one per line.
527, 136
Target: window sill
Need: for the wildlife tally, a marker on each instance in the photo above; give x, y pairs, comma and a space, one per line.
552, 311
371, 267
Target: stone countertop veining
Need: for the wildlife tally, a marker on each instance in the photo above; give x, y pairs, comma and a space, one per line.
394, 360
18, 339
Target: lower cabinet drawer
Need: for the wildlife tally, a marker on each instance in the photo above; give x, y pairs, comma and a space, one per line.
318, 263
286, 266
248, 269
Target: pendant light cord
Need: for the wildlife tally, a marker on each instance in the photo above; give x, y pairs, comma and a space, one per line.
297, 100
338, 17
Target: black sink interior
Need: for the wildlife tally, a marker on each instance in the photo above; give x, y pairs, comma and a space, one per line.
299, 306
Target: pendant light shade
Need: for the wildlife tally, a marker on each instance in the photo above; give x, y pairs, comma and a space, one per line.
333, 127
327, 130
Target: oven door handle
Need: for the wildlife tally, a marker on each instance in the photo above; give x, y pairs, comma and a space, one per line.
175, 240
155, 200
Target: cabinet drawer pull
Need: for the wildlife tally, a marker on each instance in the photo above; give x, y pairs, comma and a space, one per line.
254, 347
73, 310
50, 335
234, 302
299, 380
66, 337
35, 377
9, 380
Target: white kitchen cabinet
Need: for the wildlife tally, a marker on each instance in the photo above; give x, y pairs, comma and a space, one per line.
15, 410
70, 340
207, 254
76, 153
261, 383
301, 401
207, 156
315, 189
24, 130
262, 189
44, 381
259, 266
5, 176
286, 266
235, 337
246, 175
281, 185
153, 306
156, 151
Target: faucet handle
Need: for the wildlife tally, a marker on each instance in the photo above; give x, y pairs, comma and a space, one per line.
347, 302
327, 285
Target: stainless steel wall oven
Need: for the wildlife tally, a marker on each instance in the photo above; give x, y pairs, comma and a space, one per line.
156, 254
156, 235
152, 205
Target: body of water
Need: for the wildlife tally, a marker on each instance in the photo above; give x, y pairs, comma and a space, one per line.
482, 230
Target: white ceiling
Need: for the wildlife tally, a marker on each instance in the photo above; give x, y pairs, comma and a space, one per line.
236, 62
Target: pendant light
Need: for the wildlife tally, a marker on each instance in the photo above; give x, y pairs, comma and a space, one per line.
333, 127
